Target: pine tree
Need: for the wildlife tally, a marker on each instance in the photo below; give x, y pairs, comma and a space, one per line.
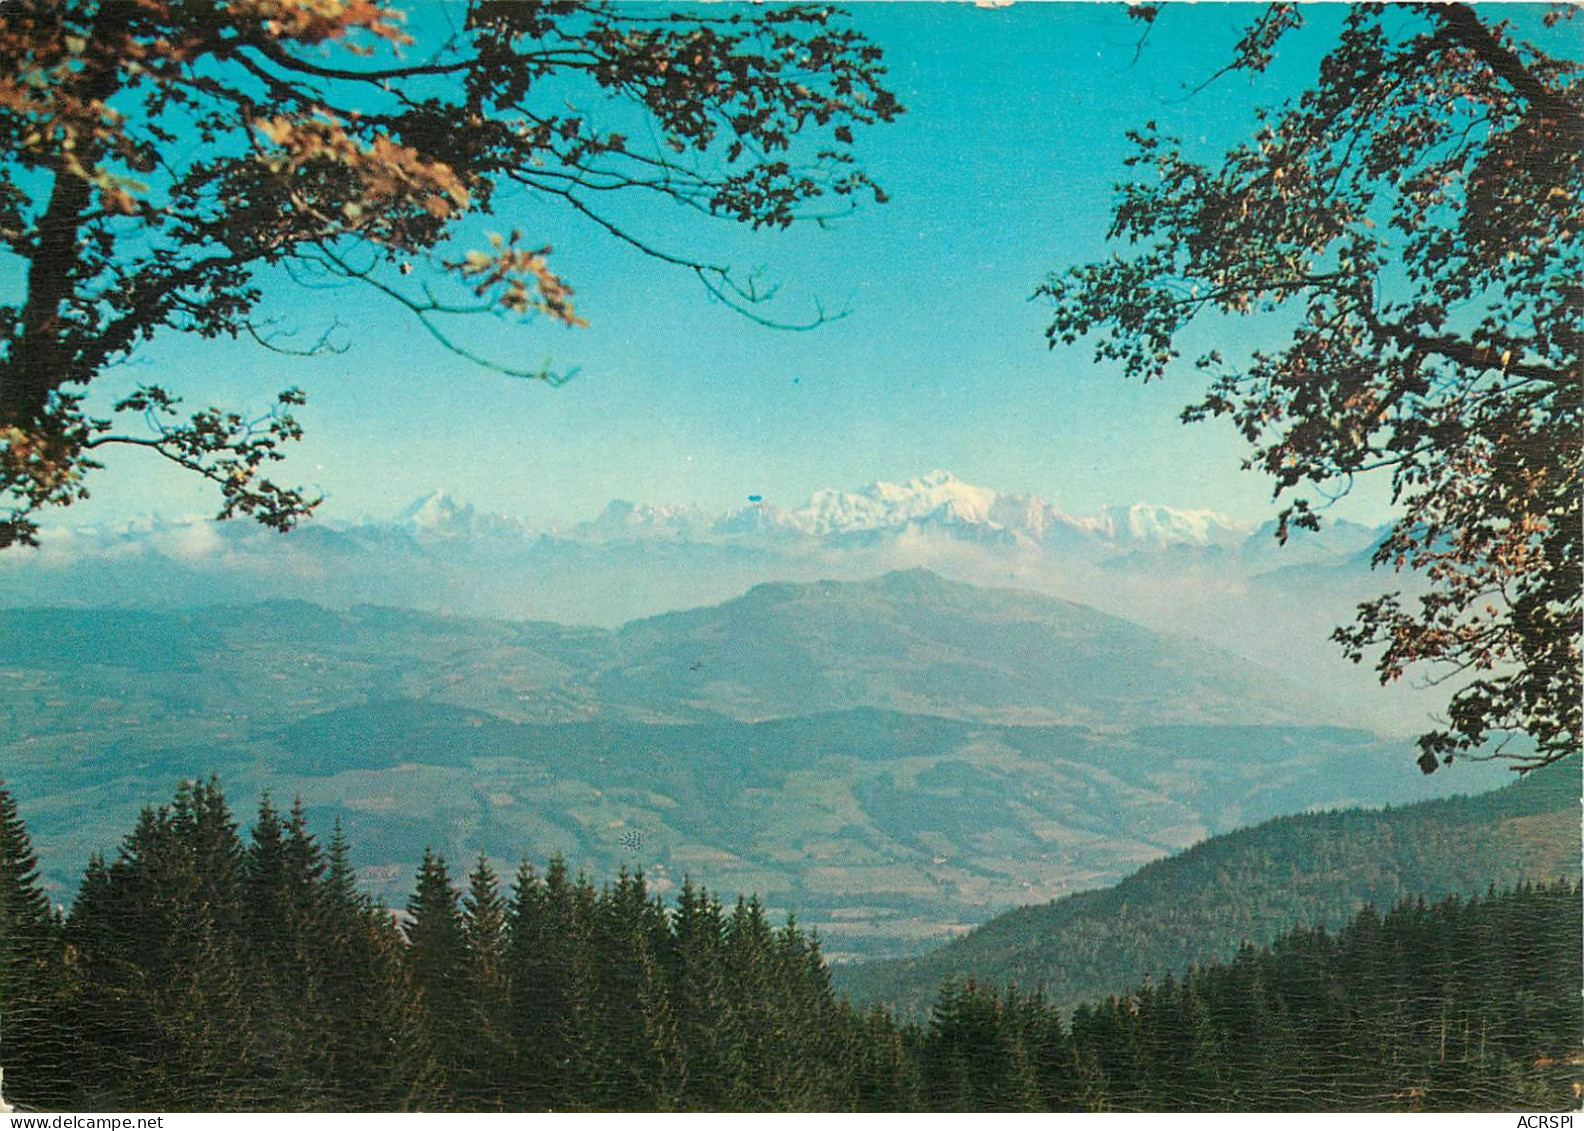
807, 1041
752, 1071
584, 1063
377, 1052
341, 888
1091, 1090
553, 990
704, 1019
1203, 1083
484, 1076
973, 1056
90, 1009
31, 977
437, 958
880, 1075
631, 1007
284, 926
661, 1049
1049, 1052
264, 874
174, 960
208, 834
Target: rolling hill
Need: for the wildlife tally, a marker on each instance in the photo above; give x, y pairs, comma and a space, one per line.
907, 641
912, 641
896, 760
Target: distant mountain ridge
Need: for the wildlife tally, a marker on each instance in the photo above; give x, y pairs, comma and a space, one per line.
438, 514
916, 642
937, 501
908, 641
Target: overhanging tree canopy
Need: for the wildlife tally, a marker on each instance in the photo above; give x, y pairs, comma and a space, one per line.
1415, 218
161, 154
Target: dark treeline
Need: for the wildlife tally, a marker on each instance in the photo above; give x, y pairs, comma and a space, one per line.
206, 970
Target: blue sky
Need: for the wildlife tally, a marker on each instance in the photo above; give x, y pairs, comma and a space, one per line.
1000, 172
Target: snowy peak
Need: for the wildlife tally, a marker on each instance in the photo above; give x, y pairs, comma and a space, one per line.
757, 519
439, 515
939, 497
939, 490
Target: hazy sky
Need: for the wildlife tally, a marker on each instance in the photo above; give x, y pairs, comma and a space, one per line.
1000, 172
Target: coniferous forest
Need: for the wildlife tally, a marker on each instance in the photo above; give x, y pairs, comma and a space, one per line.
205, 969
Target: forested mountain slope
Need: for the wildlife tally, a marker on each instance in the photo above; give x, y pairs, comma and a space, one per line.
1459, 1005
1252, 884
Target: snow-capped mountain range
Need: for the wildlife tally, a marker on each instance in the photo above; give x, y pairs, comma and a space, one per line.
941, 500
1190, 572
881, 525
937, 502
928, 515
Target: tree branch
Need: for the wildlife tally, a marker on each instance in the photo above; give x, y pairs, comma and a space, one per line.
1473, 34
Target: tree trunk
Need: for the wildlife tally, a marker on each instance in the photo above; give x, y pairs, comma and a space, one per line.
38, 364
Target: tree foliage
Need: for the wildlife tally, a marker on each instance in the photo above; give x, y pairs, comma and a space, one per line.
164, 160
1412, 225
